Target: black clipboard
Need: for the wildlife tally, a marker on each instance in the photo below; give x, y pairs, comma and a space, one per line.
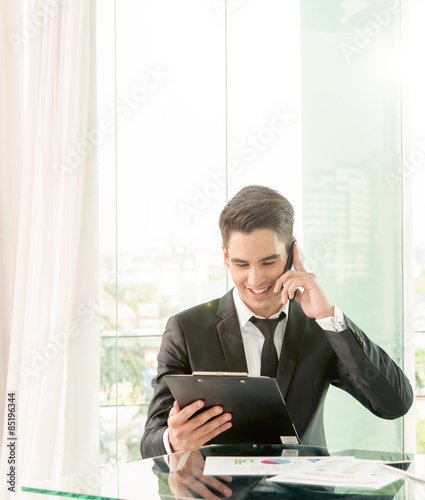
259, 412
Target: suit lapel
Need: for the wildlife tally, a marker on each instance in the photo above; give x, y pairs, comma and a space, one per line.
230, 335
292, 341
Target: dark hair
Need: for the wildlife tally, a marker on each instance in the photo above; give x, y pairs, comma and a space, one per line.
257, 207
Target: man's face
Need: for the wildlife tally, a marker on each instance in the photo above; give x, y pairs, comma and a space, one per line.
256, 260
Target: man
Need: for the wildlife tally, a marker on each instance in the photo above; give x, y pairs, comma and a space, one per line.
316, 345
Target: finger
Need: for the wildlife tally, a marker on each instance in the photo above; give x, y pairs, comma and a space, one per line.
291, 288
181, 492
295, 294
209, 414
295, 287
189, 410
174, 410
202, 433
214, 428
192, 434
279, 283
217, 485
297, 260
228, 479
198, 487
182, 416
284, 295
282, 281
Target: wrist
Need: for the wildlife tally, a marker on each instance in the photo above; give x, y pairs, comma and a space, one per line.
175, 444
329, 312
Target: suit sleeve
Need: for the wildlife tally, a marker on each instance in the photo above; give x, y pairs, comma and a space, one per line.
172, 359
367, 372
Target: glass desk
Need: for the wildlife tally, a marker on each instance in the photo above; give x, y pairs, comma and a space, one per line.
170, 477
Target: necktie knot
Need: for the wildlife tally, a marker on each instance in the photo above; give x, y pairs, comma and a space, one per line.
269, 359
267, 326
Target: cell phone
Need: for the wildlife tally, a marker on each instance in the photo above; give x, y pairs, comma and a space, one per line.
290, 259
289, 263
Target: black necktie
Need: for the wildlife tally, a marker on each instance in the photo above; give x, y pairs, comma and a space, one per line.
269, 358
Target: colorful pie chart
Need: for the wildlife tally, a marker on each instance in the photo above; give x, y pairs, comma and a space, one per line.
276, 461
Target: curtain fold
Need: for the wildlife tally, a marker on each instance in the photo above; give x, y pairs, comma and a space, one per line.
11, 105
50, 349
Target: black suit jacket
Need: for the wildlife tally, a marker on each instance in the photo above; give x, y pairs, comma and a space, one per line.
208, 338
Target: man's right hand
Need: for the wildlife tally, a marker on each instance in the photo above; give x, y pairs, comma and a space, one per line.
185, 434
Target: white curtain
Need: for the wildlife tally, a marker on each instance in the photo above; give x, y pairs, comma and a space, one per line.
48, 237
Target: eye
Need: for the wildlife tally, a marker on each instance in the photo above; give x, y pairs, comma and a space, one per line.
241, 265
269, 263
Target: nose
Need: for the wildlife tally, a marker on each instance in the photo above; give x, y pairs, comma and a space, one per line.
255, 277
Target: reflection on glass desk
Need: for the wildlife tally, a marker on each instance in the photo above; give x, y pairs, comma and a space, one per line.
180, 476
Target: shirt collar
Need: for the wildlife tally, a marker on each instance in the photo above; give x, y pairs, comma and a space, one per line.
244, 312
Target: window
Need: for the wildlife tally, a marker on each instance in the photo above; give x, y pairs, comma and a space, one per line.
414, 175
193, 105
184, 134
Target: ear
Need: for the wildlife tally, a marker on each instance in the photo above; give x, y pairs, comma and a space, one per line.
226, 256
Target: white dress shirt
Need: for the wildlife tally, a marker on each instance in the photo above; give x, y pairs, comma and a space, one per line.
253, 339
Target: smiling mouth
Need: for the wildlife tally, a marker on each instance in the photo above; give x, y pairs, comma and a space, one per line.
259, 291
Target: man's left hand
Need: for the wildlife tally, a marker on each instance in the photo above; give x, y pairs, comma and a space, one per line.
312, 298
187, 477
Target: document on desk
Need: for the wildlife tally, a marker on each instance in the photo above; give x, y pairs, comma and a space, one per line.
347, 472
254, 466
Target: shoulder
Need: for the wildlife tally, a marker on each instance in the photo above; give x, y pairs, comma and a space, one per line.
198, 313
211, 312
193, 324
